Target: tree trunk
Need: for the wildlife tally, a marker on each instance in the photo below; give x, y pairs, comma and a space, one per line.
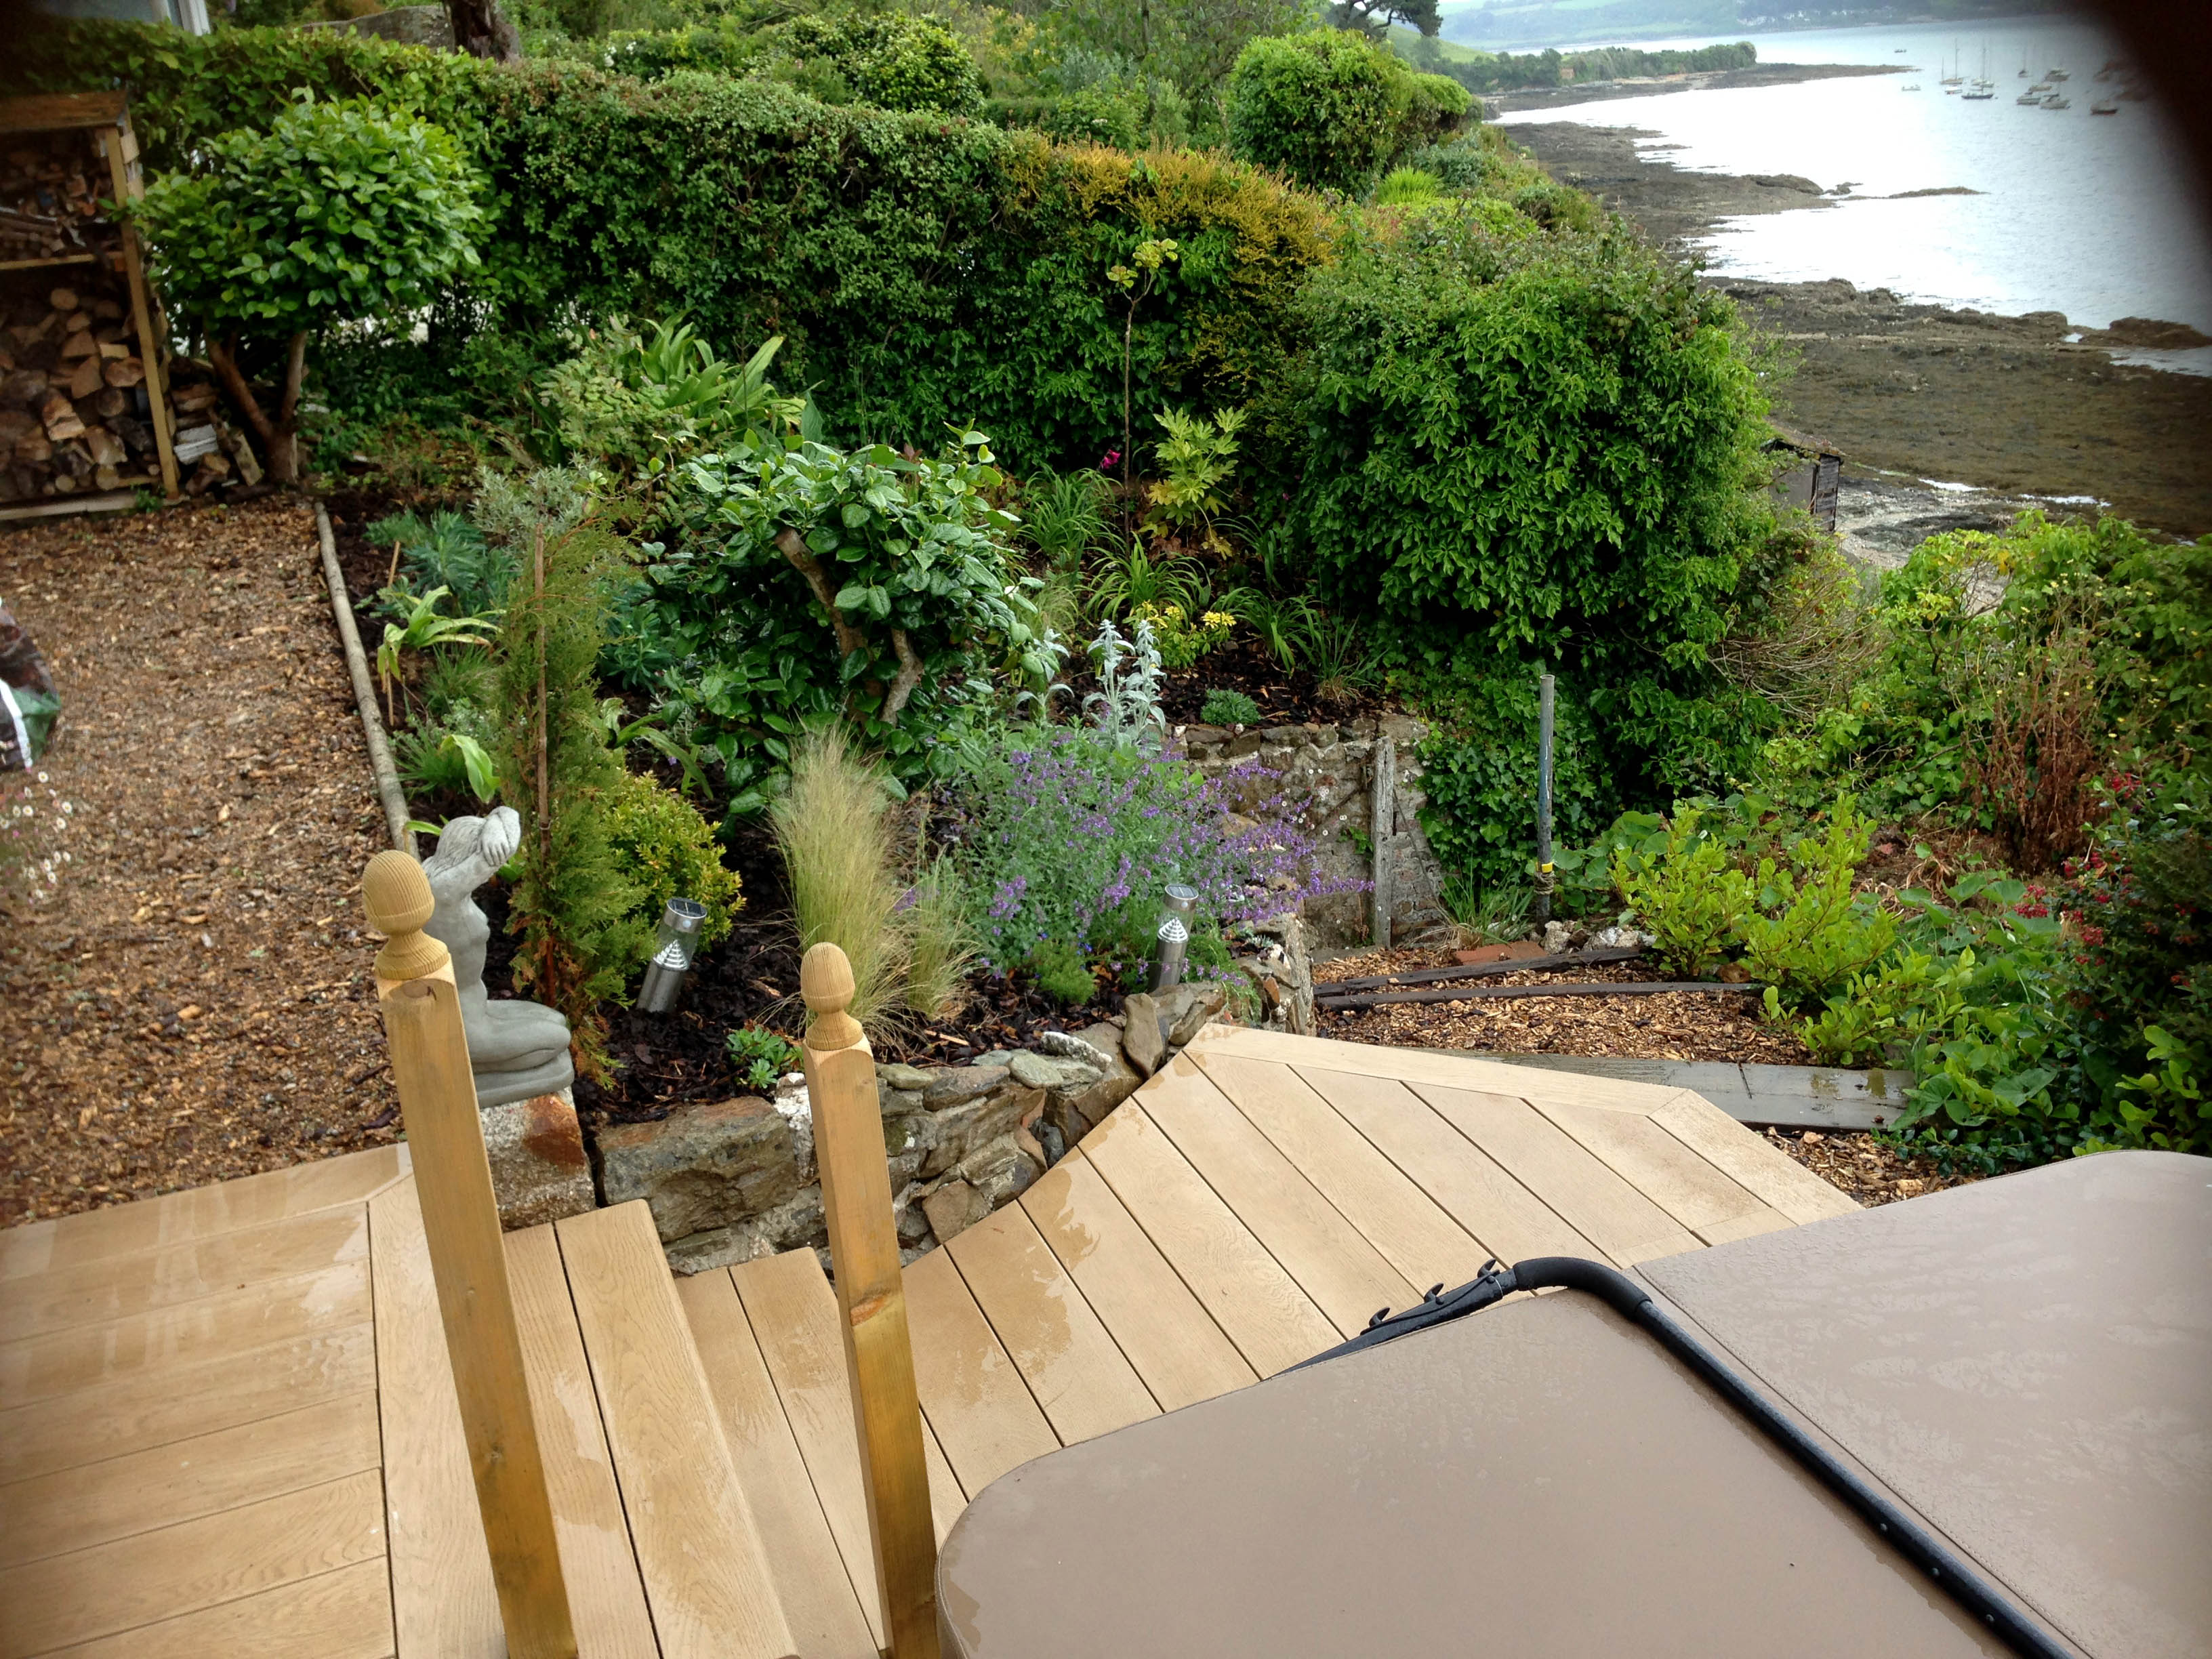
277, 436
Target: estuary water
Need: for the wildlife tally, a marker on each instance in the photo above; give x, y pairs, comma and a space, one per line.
2090, 215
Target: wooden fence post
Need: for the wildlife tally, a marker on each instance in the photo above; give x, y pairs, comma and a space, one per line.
468, 1258
856, 1200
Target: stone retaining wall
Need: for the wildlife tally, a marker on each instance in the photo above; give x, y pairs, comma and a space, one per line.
1328, 783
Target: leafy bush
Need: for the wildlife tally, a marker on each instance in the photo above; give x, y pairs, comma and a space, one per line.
1479, 774
759, 1058
1196, 463
1072, 837
339, 213
1810, 932
448, 552
889, 59
638, 403
1182, 640
1332, 108
803, 582
666, 850
1691, 900
1226, 708
1541, 447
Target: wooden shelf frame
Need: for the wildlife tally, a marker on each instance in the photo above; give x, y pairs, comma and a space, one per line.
107, 116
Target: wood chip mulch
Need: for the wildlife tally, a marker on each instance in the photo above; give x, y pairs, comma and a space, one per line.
1680, 1026
1859, 1165
192, 1000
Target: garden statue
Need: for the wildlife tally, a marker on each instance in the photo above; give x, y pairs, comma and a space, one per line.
516, 1049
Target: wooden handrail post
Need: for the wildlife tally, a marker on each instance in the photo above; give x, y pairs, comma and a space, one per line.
468, 1258
856, 1200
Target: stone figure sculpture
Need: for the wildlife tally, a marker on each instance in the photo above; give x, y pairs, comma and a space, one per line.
516, 1049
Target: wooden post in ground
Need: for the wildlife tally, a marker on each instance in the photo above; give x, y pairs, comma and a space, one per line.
856, 1200
468, 1259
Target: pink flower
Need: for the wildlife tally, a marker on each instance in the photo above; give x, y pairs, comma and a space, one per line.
1109, 460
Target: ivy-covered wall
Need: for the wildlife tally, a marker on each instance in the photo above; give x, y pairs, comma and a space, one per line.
924, 267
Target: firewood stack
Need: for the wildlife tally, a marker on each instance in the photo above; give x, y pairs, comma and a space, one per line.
73, 409
50, 189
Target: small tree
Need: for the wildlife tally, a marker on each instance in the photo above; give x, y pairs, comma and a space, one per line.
340, 213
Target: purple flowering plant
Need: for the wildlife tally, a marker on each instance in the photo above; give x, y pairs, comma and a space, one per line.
1071, 838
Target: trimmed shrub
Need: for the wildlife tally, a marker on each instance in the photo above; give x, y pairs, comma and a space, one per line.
1328, 109
663, 845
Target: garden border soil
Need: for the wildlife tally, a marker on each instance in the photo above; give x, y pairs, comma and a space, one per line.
194, 1003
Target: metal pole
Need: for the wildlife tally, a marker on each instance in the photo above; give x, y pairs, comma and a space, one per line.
1541, 906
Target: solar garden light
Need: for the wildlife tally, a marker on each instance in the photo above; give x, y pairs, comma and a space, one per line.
1174, 934
672, 951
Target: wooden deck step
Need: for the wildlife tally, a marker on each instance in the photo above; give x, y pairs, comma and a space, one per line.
706, 1576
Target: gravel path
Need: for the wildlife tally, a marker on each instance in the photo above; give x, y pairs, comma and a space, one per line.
191, 1001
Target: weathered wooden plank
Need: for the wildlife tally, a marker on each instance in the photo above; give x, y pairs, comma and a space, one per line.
444, 1604
606, 1599
181, 1569
698, 1553
1577, 989
166, 1275
148, 1408
1508, 1220
61, 1362
974, 1396
1256, 1304
1410, 1229
1780, 1180
827, 1619
1474, 970
142, 1492
1347, 1276
1426, 1064
1601, 1206
1076, 1374
1169, 1339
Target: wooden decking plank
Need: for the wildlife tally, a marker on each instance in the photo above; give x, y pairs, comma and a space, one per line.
61, 1362
118, 1586
1505, 1218
1605, 1209
1764, 1220
819, 1599
606, 1599
1688, 1186
199, 1213
793, 1315
142, 1492
345, 1614
1074, 1370
1257, 1304
972, 1395
1787, 1186
1429, 1066
153, 1408
1347, 1276
443, 1606
1168, 1336
705, 1577
168, 1275
1410, 1229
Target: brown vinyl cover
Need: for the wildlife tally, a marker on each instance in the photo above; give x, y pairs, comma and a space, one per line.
1538, 1479
2027, 1362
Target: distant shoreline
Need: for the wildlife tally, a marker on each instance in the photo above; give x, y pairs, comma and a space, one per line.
1758, 75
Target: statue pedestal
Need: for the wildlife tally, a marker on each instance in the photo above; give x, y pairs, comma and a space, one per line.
540, 1169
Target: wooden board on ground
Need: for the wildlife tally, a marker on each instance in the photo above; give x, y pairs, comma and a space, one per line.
820, 1600
974, 1397
1168, 1337
705, 1575
1076, 1374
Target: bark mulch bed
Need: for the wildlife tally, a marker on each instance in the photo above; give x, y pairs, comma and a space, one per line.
1860, 1166
1679, 1025
192, 1002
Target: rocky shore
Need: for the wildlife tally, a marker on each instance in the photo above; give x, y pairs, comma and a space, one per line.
2015, 406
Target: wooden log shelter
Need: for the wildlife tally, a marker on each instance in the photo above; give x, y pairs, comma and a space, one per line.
87, 410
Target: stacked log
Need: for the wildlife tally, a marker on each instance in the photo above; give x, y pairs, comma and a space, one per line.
73, 414
50, 185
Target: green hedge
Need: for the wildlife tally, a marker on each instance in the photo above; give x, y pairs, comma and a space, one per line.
924, 267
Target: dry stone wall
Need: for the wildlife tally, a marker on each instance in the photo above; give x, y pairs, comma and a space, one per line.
1328, 783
